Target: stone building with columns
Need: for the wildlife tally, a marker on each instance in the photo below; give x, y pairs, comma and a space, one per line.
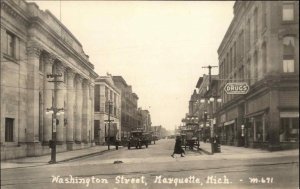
34, 44
106, 94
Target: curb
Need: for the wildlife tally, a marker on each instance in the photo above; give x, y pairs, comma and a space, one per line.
205, 151
86, 155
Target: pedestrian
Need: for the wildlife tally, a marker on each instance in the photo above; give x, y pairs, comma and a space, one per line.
178, 149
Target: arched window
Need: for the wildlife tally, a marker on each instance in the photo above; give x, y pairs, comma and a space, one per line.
288, 54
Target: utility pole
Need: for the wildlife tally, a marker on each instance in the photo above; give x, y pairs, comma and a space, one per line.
211, 124
54, 110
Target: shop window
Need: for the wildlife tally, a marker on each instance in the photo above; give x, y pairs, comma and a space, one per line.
9, 129
289, 130
258, 130
288, 54
288, 12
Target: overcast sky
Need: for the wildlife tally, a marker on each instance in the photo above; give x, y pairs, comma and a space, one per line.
158, 47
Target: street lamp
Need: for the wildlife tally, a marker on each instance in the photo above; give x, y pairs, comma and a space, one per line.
109, 121
52, 143
54, 111
210, 100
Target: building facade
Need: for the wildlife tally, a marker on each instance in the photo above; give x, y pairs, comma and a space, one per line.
129, 112
261, 48
146, 120
34, 44
107, 108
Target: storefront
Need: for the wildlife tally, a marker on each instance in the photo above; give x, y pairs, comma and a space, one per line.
257, 130
230, 132
289, 129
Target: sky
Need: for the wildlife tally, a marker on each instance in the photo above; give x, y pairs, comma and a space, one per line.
158, 47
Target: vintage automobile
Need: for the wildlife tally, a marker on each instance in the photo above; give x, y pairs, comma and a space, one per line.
190, 138
137, 140
148, 136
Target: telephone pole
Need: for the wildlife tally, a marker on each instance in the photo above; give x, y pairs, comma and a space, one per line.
54, 110
211, 113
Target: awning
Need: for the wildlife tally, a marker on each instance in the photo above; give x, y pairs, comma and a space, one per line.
229, 122
289, 114
255, 113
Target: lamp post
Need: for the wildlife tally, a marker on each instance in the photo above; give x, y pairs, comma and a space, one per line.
209, 116
109, 121
54, 111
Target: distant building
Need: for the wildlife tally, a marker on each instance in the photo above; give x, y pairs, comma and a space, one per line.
261, 47
107, 98
34, 43
129, 113
156, 131
146, 120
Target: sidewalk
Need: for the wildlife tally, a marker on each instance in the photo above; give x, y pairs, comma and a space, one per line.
233, 152
60, 157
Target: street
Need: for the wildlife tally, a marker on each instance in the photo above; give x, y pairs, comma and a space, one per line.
153, 167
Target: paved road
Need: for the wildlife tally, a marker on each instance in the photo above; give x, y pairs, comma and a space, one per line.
154, 168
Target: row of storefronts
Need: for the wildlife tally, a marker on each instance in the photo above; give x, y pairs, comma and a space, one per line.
260, 49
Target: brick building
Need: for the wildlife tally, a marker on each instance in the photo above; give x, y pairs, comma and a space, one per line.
34, 43
130, 119
261, 48
146, 120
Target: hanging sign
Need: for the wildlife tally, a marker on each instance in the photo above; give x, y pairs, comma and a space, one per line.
236, 88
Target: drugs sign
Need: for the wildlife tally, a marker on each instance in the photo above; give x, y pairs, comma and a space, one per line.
236, 88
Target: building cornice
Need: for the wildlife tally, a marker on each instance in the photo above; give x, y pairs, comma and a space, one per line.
12, 9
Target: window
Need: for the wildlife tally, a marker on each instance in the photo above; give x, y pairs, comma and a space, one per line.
264, 58
9, 129
255, 67
288, 12
41, 64
97, 98
248, 39
264, 14
255, 25
289, 129
65, 77
241, 45
288, 54
10, 44
234, 54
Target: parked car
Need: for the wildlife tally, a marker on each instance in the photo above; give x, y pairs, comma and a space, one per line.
137, 140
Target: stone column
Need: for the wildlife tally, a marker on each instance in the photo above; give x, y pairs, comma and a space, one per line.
78, 109
85, 95
48, 94
92, 94
70, 106
32, 129
60, 98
